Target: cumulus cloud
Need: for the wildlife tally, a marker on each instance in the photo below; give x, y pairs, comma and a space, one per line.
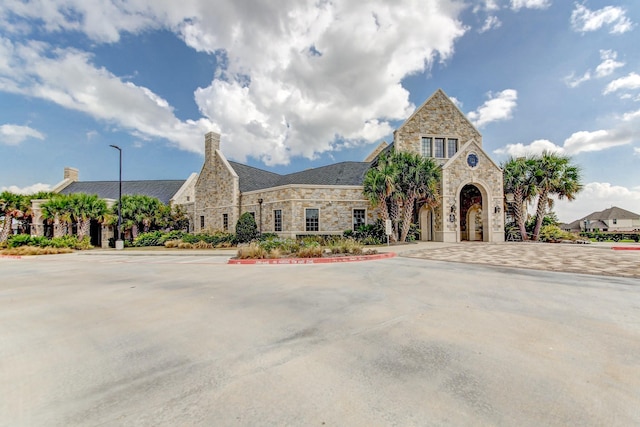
536, 147
31, 189
16, 134
597, 196
328, 75
613, 17
499, 107
68, 78
629, 82
636, 151
625, 131
608, 64
530, 4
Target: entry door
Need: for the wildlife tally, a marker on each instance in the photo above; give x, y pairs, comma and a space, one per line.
474, 224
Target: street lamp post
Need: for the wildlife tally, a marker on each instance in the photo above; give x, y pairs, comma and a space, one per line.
119, 242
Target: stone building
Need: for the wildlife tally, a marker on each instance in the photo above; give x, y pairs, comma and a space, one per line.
329, 199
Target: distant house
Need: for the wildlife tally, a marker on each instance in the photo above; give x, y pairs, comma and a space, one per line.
612, 219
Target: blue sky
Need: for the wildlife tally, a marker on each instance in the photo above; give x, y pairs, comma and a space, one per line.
295, 84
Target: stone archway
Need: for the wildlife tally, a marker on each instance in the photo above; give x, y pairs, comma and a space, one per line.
473, 218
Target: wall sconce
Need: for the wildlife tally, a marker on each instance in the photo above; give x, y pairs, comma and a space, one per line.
496, 209
260, 201
452, 218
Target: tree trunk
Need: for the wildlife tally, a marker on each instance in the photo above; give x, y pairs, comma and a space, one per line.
407, 216
518, 208
394, 214
541, 209
58, 228
84, 228
6, 228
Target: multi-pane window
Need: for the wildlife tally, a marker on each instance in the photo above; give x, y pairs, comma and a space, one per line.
202, 221
438, 147
359, 218
277, 220
426, 146
312, 219
225, 222
452, 147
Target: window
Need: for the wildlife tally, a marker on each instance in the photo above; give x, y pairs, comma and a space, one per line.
452, 147
225, 222
277, 220
312, 219
188, 198
426, 147
359, 218
439, 147
202, 221
615, 220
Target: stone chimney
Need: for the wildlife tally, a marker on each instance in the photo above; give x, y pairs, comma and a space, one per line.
71, 174
211, 144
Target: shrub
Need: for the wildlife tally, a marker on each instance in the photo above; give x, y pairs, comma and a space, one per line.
310, 252
286, 246
370, 234
172, 243
151, 238
553, 233
18, 240
246, 228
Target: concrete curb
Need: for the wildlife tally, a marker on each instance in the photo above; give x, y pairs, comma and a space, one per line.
327, 260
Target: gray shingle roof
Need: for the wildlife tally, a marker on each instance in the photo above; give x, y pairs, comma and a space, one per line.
344, 173
163, 190
612, 213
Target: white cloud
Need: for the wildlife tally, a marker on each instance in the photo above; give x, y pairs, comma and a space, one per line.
629, 82
636, 151
536, 147
31, 189
597, 196
530, 4
298, 88
608, 64
572, 81
604, 69
500, 106
456, 101
68, 78
625, 131
584, 20
16, 134
490, 23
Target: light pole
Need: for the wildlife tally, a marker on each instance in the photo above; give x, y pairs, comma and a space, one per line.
119, 242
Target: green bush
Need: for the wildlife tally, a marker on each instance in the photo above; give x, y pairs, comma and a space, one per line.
615, 236
246, 228
369, 234
67, 241
18, 240
152, 238
553, 233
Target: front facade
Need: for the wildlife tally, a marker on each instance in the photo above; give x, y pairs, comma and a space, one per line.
329, 200
611, 219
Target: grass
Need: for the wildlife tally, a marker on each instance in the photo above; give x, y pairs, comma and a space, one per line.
35, 250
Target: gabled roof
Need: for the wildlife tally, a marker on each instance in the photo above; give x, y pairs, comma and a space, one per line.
163, 190
344, 173
613, 212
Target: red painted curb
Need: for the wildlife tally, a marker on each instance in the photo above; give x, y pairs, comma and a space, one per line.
328, 260
11, 256
625, 248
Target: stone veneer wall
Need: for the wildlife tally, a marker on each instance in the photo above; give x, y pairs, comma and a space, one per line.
438, 116
216, 190
335, 205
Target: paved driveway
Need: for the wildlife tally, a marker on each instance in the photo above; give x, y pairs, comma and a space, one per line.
101, 340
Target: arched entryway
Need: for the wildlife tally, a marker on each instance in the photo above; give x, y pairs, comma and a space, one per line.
472, 218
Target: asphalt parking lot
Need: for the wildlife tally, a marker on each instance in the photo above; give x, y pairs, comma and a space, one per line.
144, 340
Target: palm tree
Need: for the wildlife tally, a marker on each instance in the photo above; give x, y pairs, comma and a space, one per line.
418, 179
554, 175
140, 213
58, 210
379, 185
518, 180
11, 206
84, 208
